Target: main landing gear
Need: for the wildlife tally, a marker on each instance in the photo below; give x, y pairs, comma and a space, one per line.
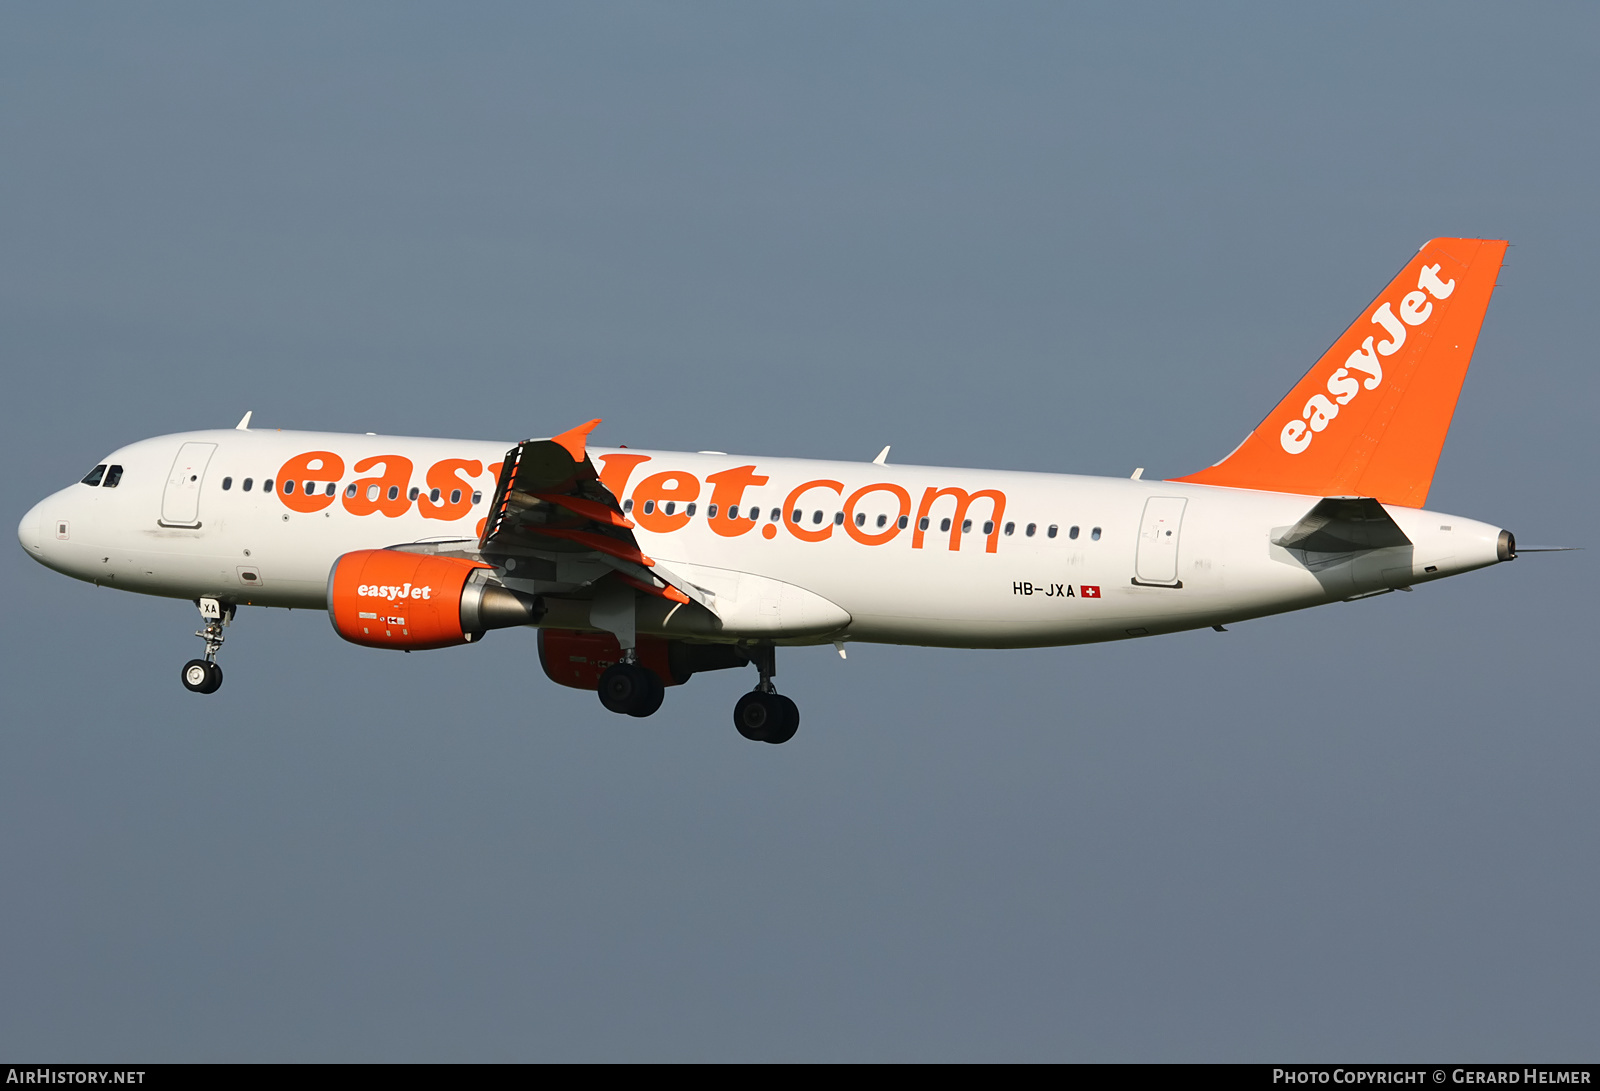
632, 689
764, 714
203, 675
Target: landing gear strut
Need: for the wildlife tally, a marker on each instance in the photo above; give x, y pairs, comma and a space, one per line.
203, 675
764, 714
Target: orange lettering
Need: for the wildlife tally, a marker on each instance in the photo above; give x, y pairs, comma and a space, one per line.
387, 493
318, 466
789, 520
618, 468
658, 489
729, 492
445, 476
860, 534
963, 499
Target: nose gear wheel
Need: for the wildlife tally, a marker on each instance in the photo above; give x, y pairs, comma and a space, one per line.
200, 676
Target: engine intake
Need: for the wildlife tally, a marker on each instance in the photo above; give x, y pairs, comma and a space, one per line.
388, 598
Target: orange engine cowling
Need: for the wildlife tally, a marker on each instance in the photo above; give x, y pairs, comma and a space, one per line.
388, 598
577, 659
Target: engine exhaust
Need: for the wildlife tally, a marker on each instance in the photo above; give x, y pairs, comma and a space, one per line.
486, 605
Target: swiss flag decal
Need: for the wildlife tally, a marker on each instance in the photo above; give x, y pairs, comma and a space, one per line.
1089, 591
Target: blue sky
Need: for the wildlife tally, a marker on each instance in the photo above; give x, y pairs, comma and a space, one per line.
1038, 237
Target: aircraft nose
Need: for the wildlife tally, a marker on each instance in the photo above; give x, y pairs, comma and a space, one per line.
28, 531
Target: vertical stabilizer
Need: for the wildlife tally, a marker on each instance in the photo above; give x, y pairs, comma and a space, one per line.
1370, 418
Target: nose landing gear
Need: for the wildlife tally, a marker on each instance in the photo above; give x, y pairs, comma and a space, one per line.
764, 714
203, 675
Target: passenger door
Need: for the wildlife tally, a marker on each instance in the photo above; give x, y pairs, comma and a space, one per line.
180, 503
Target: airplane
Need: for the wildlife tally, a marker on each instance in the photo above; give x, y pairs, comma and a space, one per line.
640, 568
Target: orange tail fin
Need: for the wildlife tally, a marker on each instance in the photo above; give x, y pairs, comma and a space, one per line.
1371, 417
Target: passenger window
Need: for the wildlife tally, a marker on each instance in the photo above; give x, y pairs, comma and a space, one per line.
455, 496
311, 488
838, 518
816, 516
988, 528
794, 516
113, 477
247, 483
903, 521
733, 511
394, 492
883, 520
477, 497
1051, 533
649, 507
861, 518
288, 487
670, 507
776, 515
944, 524
227, 483
266, 486
350, 491
1073, 533
412, 495
1095, 534
1010, 527
93, 477
433, 496
1031, 528
711, 512
966, 526
922, 524
627, 505
332, 487
689, 510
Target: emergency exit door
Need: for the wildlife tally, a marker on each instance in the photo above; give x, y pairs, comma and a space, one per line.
1157, 559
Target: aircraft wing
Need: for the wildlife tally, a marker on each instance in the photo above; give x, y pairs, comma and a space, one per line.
549, 503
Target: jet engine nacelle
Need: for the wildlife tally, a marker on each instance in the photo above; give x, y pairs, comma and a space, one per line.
388, 598
577, 659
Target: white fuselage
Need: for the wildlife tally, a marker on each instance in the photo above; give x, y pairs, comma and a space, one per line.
1108, 558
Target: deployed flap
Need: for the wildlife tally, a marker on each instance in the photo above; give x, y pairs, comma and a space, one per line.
549, 501
1344, 524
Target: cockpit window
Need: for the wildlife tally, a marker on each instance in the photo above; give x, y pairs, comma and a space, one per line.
113, 477
94, 475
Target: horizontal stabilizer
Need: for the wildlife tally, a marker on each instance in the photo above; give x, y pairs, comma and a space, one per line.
1344, 524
